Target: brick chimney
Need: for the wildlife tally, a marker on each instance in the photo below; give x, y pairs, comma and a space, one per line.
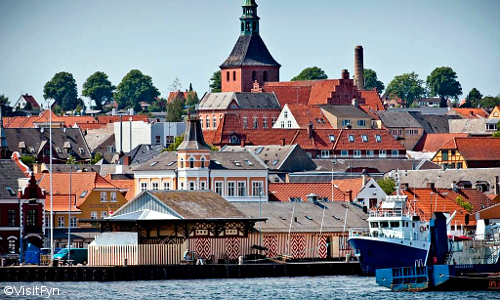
283, 142
126, 160
430, 185
349, 195
310, 130
345, 74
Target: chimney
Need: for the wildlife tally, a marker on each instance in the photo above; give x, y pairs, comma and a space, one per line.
345, 74
358, 68
405, 186
355, 102
283, 142
126, 160
242, 143
454, 186
310, 130
430, 185
287, 178
349, 193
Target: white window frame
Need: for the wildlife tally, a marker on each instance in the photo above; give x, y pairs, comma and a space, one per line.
244, 185
357, 153
203, 185
344, 153
207, 123
166, 185
325, 153
245, 122
364, 138
332, 138
104, 197
144, 186
255, 122
219, 187
361, 123
351, 138
192, 185
73, 222
378, 138
257, 188
285, 114
113, 197
155, 185
370, 153
214, 122
61, 221
346, 122
282, 123
289, 123
273, 121
104, 214
181, 185
93, 215
382, 153
264, 122
231, 188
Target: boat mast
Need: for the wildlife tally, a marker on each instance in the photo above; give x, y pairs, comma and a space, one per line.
51, 190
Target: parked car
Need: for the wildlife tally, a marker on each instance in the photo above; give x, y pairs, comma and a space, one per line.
76, 255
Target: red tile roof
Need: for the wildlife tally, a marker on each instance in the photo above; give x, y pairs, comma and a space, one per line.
61, 203
31, 100
123, 184
475, 148
91, 126
470, 113
80, 182
304, 114
432, 142
355, 185
387, 141
113, 119
44, 117
372, 99
367, 109
285, 191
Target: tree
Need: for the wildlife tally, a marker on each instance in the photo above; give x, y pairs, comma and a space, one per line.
28, 160
62, 88
191, 101
388, 185
497, 134
134, 88
177, 142
473, 98
443, 82
4, 100
176, 85
407, 87
98, 88
311, 73
371, 81
174, 110
96, 158
215, 82
490, 102
28, 106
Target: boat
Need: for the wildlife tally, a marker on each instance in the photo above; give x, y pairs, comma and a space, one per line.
396, 237
467, 264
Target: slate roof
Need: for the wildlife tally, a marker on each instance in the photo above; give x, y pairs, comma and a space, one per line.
345, 111
193, 137
222, 101
432, 142
425, 110
198, 204
382, 165
392, 119
309, 216
249, 50
9, 174
434, 123
142, 153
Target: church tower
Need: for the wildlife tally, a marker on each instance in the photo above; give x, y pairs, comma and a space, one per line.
250, 59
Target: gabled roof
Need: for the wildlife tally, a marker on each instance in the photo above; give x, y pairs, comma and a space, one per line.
142, 153
305, 114
387, 141
61, 203
9, 175
345, 111
123, 183
398, 119
475, 148
372, 99
193, 137
474, 126
31, 100
432, 142
434, 123
470, 113
297, 192
223, 101
250, 50
44, 118
181, 95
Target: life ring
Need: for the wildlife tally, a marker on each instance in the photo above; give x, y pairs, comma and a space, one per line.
422, 228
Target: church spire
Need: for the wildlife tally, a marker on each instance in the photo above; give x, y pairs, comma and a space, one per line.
249, 19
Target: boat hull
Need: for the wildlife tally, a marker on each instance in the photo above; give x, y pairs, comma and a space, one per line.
380, 254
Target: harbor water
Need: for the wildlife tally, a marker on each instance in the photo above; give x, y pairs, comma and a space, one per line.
318, 288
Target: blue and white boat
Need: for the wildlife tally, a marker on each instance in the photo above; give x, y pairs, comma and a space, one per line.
396, 237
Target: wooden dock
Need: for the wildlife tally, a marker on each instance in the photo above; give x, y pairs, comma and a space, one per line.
37, 273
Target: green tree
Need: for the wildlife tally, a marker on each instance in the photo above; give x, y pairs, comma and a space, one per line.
406, 86
215, 82
98, 88
473, 98
96, 158
388, 185
443, 82
371, 81
62, 88
490, 102
174, 110
4, 100
311, 73
134, 88
497, 134
191, 101
28, 106
177, 142
28, 160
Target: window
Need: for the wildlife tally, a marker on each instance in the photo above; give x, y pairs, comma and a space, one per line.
395, 153
452, 152
182, 163
181, 185
214, 122
104, 214
364, 138
104, 197
60, 221
82, 151
47, 221
12, 246
169, 139
273, 120
144, 186
255, 122
11, 218
382, 153
155, 185
257, 188
411, 131
265, 76
234, 75
332, 138
369, 153
325, 153
208, 122
351, 138
192, 185
227, 76
445, 155
346, 122
72, 222
254, 76
113, 197
203, 163
357, 153
166, 185
31, 217
378, 138
459, 165
111, 149
264, 122
362, 123
245, 122
289, 123
203, 185
234, 139
93, 215
344, 153
285, 114
282, 124
157, 140
241, 189
218, 188
191, 163
231, 189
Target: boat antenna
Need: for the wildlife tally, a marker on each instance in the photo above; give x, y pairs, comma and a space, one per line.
289, 232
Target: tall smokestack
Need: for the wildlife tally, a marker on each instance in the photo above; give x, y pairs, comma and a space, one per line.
358, 68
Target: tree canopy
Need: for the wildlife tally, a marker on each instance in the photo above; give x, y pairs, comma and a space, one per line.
407, 87
311, 73
443, 82
4, 103
473, 98
134, 88
489, 101
175, 110
371, 81
191, 101
62, 88
177, 142
215, 82
98, 88
388, 185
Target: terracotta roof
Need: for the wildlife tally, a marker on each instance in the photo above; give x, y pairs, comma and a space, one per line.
80, 182
44, 117
123, 184
304, 114
355, 185
387, 141
249, 50
61, 203
286, 191
91, 126
475, 148
372, 99
31, 100
432, 142
113, 119
470, 113
367, 109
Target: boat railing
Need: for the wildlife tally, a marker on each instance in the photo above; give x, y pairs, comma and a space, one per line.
408, 275
386, 213
366, 232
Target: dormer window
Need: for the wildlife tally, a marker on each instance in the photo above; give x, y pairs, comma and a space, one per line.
364, 138
332, 138
234, 139
351, 138
378, 138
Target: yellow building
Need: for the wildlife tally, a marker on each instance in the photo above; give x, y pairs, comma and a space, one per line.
495, 113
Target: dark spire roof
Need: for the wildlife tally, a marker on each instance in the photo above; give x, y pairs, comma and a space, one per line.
3, 138
193, 137
249, 50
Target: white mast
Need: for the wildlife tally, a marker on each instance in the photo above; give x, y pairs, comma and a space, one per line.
51, 191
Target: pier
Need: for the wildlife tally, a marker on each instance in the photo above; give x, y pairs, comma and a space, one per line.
37, 273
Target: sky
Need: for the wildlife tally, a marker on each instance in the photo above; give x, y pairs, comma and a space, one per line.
189, 39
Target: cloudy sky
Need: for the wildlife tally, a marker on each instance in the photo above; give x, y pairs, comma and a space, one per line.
189, 39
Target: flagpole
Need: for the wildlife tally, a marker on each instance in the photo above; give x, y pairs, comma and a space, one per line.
51, 190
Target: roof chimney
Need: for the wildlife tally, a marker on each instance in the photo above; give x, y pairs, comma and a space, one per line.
355, 102
430, 185
358, 68
345, 74
310, 130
